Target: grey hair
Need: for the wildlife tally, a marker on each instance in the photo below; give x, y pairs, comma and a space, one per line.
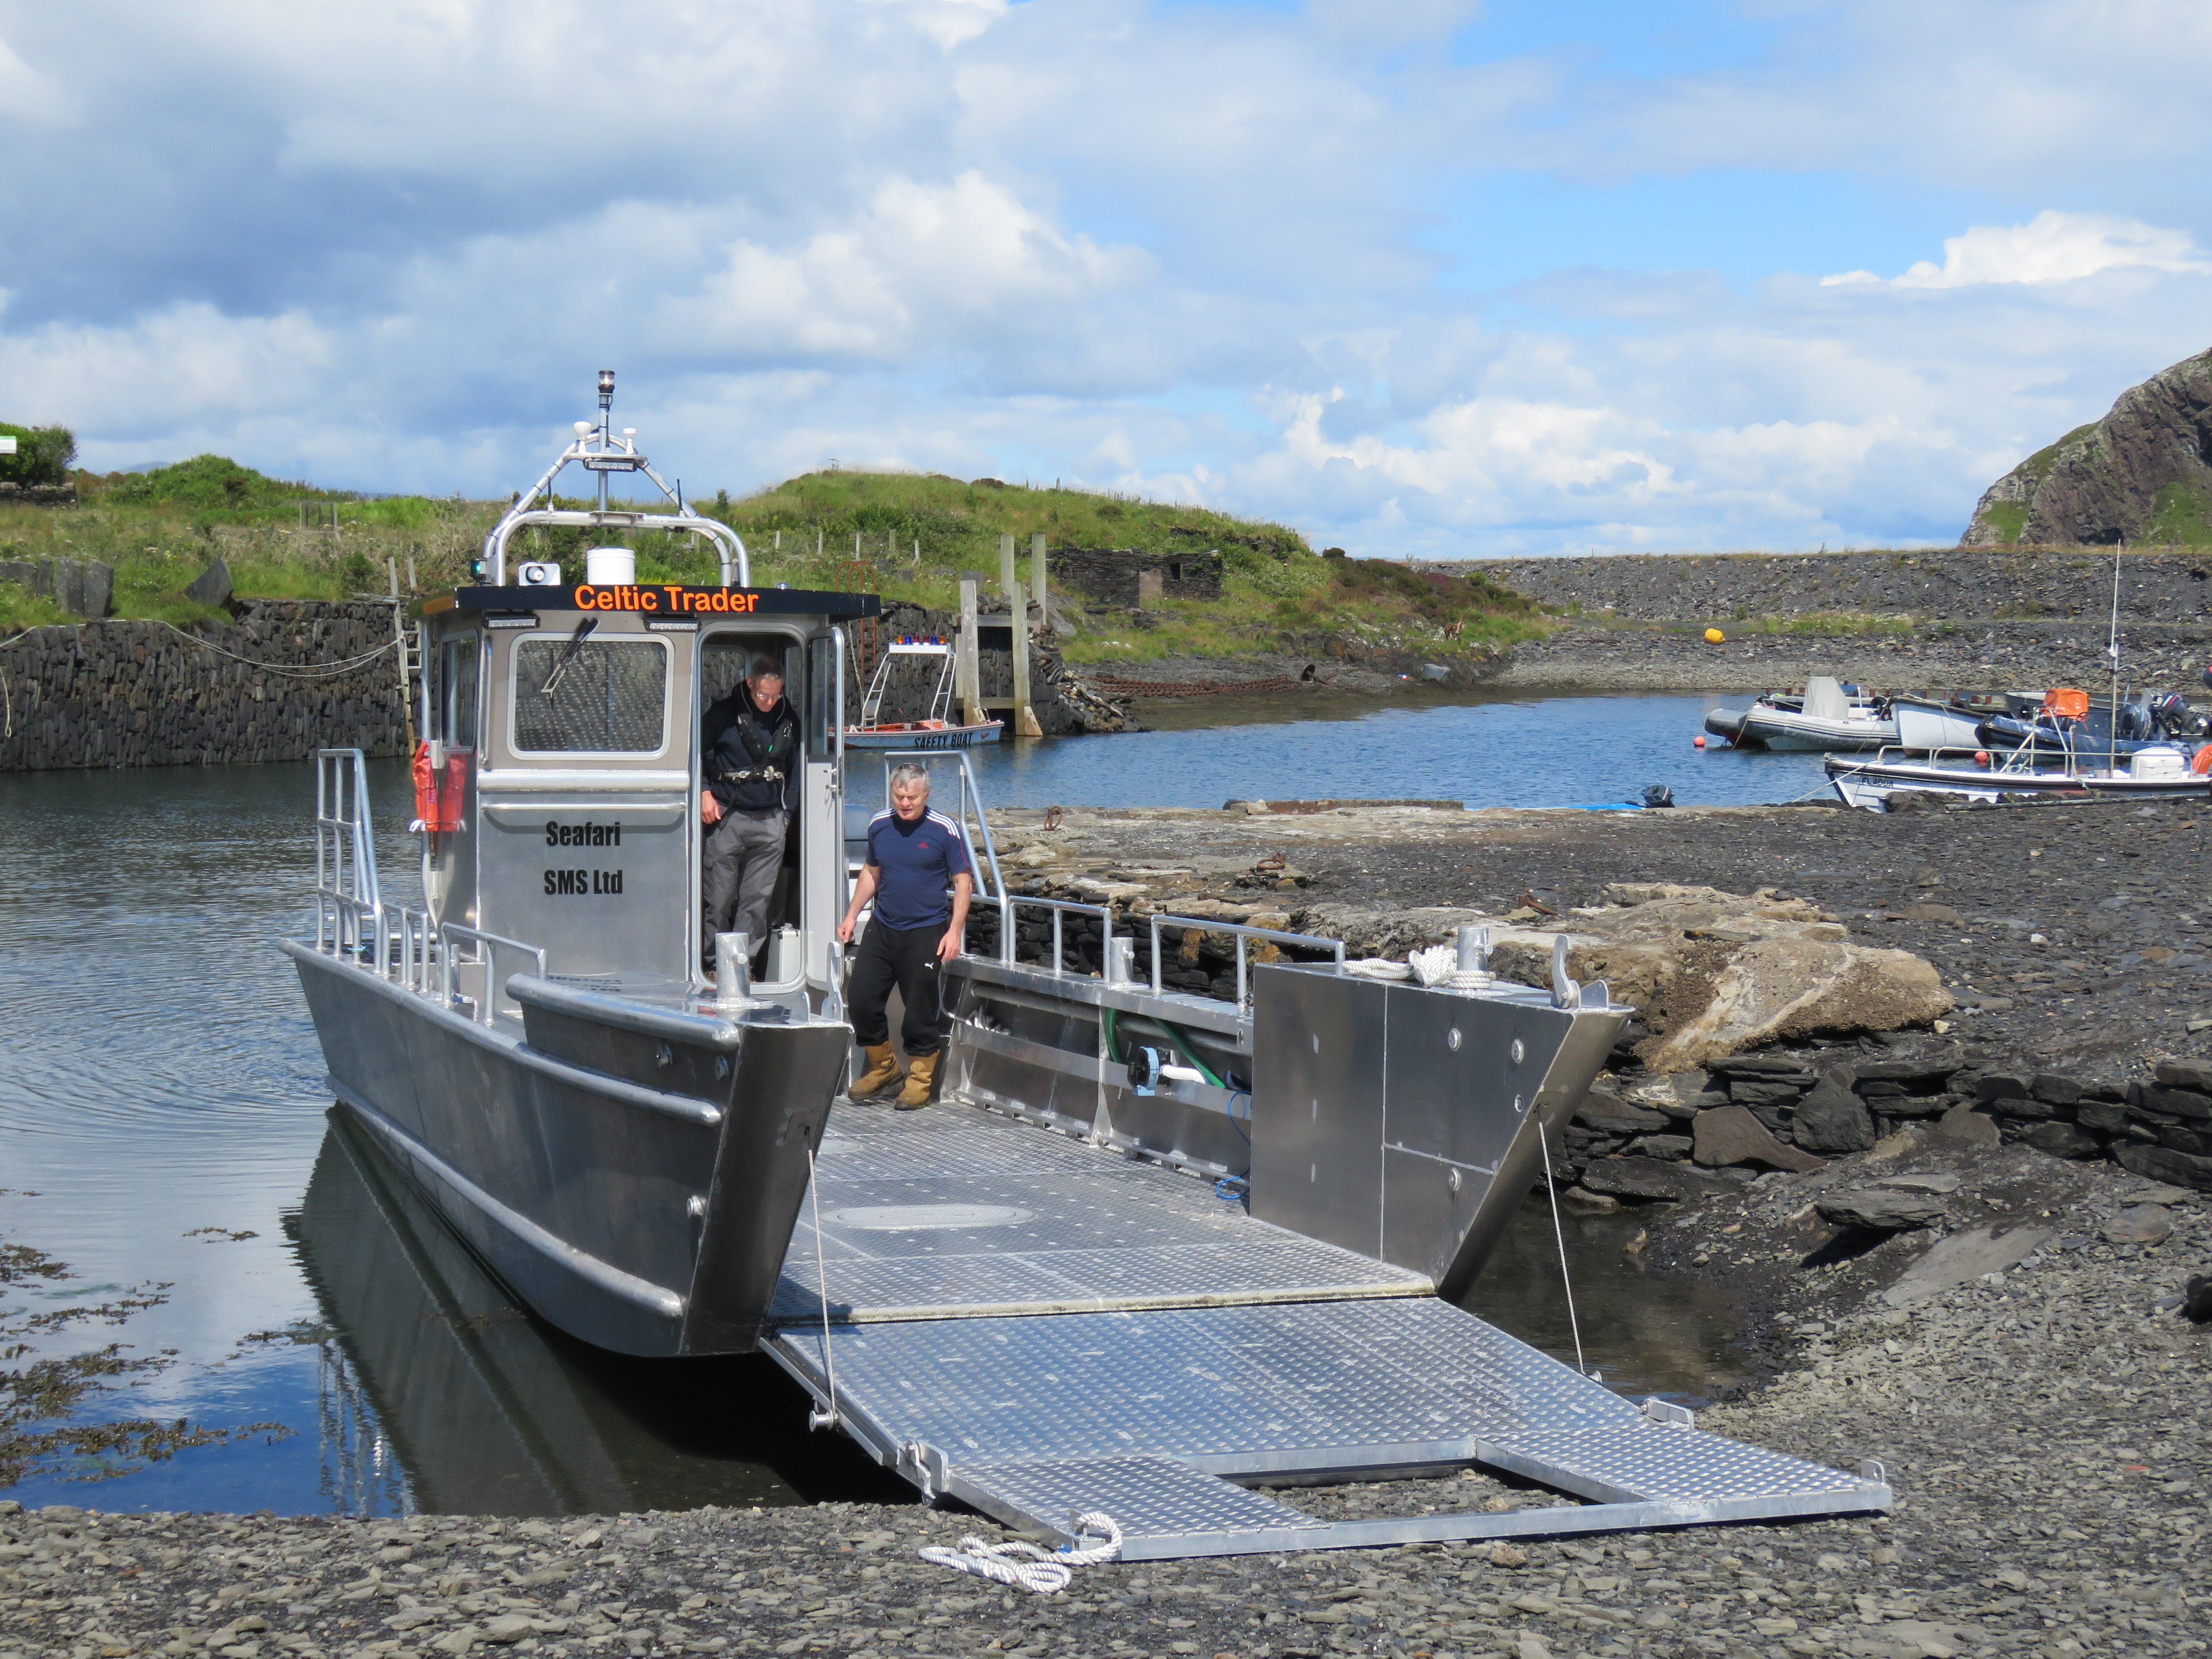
909, 772
765, 668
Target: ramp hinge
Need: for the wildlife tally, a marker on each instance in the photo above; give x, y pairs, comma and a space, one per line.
1668, 1415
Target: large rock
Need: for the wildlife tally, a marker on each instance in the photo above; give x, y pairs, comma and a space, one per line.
2161, 1163
211, 586
1883, 1209
1730, 1135
1781, 990
1648, 1177
1711, 973
1962, 1256
1832, 1119
2140, 474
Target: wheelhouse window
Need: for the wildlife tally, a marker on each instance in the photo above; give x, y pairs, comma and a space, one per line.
575, 695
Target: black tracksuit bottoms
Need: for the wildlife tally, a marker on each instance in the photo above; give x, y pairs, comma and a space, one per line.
906, 958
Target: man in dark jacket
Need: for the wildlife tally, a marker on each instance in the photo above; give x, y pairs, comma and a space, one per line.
748, 765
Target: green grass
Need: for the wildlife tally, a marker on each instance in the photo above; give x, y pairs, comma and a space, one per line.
2180, 517
2009, 519
917, 533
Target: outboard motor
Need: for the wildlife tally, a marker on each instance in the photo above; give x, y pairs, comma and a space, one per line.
1658, 794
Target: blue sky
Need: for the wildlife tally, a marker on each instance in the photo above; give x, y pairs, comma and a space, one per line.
1435, 278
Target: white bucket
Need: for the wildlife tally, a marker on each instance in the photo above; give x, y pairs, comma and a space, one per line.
610, 567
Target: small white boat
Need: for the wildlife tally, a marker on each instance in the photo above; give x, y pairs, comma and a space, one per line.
936, 730
2154, 773
1830, 718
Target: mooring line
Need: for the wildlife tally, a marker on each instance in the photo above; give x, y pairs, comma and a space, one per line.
1559, 1235
823, 1417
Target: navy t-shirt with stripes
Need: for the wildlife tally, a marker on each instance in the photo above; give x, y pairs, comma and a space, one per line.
915, 862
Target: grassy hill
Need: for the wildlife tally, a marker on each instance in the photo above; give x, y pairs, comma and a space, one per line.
913, 533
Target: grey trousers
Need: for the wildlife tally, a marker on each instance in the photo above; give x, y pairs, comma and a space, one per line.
743, 853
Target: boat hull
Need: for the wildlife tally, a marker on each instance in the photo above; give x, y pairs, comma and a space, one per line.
929, 739
1779, 729
579, 1163
1870, 784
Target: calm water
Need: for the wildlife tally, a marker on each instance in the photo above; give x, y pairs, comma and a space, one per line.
1552, 751
162, 1121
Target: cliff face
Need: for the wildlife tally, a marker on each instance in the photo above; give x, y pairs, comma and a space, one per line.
2144, 472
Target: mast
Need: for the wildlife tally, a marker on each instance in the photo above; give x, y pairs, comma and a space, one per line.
2112, 653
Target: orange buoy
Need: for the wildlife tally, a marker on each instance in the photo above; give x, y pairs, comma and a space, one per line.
1698, 742
1982, 757
1714, 637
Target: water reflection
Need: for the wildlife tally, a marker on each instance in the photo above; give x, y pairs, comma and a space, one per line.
482, 1410
1644, 1331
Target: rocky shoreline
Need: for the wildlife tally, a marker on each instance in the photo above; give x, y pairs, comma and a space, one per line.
1950, 1279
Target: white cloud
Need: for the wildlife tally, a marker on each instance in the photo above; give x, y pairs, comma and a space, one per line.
27, 96
2051, 247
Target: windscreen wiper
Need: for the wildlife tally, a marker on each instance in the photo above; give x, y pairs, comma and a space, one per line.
575, 644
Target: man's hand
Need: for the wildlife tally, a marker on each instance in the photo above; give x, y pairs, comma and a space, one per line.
710, 809
845, 930
949, 947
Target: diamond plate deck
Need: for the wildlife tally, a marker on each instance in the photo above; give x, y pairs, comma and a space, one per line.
1000, 1218
1187, 1345
1032, 1419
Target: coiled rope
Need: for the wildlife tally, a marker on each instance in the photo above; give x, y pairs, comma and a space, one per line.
1042, 1572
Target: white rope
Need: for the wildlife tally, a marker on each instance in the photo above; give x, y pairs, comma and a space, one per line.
1043, 1572
826, 1417
317, 671
1559, 1235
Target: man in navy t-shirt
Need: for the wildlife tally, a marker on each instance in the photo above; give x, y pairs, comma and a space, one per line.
919, 876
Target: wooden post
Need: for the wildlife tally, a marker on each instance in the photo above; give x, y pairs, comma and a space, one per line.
1039, 578
1024, 723
967, 680
1005, 564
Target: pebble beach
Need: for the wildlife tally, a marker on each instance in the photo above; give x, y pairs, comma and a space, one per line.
2041, 1409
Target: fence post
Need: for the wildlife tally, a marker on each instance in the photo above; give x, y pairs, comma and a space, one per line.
967, 682
1040, 578
1024, 722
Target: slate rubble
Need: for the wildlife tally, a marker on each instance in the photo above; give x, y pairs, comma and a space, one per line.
2047, 1429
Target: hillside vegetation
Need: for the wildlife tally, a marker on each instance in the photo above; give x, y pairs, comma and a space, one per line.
906, 536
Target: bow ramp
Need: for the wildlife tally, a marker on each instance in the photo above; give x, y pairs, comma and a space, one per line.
1041, 1327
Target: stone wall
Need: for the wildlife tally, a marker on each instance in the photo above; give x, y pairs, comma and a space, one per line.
1958, 584
1121, 575
17, 495
141, 693
1752, 1112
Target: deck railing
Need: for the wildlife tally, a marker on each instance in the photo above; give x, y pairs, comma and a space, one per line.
1059, 908
348, 903
1244, 934
492, 944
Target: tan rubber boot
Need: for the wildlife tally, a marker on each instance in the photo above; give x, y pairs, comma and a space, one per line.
921, 1072
883, 1072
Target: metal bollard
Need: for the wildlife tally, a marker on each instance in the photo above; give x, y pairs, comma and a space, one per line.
733, 970
1121, 963
1473, 943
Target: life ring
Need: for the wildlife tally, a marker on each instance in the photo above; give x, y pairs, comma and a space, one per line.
2202, 764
